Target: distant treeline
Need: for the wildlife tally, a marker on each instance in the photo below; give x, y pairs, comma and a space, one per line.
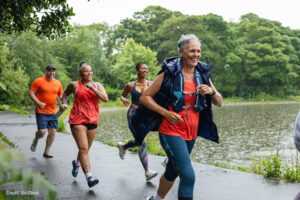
253, 57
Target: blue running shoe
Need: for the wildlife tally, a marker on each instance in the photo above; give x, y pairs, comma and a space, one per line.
75, 168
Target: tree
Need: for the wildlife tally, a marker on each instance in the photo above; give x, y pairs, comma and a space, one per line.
45, 17
131, 54
83, 43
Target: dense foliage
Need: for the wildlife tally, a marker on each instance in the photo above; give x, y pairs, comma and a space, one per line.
255, 57
45, 17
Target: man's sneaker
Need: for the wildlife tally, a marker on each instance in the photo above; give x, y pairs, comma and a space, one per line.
150, 198
33, 145
47, 155
150, 174
92, 181
122, 151
75, 168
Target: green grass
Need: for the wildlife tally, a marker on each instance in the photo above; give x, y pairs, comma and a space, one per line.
272, 166
7, 141
261, 98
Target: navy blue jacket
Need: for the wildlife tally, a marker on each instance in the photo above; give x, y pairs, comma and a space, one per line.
143, 120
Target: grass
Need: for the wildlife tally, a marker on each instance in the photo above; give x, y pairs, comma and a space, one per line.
261, 98
272, 166
4, 139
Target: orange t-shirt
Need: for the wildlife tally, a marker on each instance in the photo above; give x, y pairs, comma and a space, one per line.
187, 129
46, 91
85, 109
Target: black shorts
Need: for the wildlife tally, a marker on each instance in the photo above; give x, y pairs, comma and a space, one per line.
88, 126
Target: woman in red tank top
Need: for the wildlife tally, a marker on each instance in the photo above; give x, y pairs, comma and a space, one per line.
84, 117
178, 130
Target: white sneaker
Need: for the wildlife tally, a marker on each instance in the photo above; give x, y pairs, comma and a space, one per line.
150, 174
33, 145
122, 151
164, 162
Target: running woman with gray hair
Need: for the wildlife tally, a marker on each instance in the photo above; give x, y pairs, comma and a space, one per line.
190, 92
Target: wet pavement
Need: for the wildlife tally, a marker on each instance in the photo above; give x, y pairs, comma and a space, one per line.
125, 179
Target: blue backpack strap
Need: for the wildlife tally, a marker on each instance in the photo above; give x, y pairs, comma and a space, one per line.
178, 97
200, 103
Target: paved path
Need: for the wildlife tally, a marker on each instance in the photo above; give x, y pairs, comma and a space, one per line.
124, 179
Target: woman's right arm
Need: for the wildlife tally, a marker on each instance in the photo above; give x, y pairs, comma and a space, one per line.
68, 91
148, 101
125, 92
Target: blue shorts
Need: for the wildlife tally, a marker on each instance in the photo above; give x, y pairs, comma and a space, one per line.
44, 121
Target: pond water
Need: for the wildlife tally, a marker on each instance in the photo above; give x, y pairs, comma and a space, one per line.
246, 131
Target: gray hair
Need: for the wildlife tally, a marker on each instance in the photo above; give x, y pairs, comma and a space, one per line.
185, 39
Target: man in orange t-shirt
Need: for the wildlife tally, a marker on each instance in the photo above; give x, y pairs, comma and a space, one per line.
44, 92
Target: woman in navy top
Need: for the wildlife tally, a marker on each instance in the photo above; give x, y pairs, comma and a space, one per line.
136, 89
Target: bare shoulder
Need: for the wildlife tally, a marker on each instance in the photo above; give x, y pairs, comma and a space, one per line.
129, 85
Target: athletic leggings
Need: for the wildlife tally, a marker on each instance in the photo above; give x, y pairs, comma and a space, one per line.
142, 148
178, 151
142, 151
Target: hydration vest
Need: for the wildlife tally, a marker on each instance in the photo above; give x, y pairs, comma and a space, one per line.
143, 120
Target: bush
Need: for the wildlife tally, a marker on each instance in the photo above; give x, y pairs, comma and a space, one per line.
113, 94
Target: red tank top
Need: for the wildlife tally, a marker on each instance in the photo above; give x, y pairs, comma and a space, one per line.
85, 109
189, 127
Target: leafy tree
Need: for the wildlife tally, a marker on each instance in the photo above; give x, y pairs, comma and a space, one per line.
83, 43
45, 17
13, 81
30, 52
268, 60
130, 54
141, 27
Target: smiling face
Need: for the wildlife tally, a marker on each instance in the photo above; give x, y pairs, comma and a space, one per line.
191, 53
50, 73
86, 73
142, 71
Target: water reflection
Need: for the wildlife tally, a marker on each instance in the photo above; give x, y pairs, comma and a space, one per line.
245, 131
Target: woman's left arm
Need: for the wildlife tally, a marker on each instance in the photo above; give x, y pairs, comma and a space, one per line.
216, 96
99, 91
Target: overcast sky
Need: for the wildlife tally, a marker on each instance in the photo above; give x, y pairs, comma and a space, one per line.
113, 11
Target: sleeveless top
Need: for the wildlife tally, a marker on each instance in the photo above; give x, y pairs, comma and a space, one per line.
187, 129
85, 109
135, 95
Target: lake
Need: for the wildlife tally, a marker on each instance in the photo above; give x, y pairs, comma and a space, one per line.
246, 131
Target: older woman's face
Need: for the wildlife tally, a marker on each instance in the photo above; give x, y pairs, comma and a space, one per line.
191, 54
86, 73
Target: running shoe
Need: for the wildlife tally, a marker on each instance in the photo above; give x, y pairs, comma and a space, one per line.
164, 162
150, 174
75, 168
122, 151
33, 145
92, 181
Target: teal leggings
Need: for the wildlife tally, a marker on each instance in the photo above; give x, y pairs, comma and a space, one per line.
178, 151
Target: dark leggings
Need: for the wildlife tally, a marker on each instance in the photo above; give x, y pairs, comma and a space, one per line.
142, 151
142, 148
178, 151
